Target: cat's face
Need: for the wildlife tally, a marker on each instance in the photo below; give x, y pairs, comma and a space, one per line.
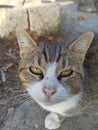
52, 73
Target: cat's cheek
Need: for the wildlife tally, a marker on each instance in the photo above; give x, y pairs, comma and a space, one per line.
25, 84
36, 92
75, 89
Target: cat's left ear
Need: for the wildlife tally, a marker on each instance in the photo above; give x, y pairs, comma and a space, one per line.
26, 44
79, 48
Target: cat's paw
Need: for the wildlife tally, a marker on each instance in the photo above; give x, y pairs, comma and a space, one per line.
52, 121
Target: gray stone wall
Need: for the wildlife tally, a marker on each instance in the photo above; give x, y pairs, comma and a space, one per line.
31, 15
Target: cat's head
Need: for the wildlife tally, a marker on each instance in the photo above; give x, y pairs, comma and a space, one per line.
52, 73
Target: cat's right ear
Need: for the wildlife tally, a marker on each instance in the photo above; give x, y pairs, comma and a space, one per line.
80, 46
26, 44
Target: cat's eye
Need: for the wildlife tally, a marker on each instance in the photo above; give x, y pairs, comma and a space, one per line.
35, 70
66, 73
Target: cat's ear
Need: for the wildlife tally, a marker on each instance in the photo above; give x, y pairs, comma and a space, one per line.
26, 44
81, 45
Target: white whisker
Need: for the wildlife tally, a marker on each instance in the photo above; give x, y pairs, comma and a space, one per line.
19, 96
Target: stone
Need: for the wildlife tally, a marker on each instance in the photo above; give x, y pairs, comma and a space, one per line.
48, 0
88, 5
11, 2
29, 3
11, 19
44, 20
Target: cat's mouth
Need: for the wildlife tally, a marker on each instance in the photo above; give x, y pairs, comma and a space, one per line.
51, 101
48, 100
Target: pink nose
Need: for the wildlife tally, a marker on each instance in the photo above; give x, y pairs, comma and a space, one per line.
49, 92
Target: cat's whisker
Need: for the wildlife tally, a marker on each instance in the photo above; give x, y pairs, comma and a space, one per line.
20, 91
19, 96
61, 96
23, 94
29, 100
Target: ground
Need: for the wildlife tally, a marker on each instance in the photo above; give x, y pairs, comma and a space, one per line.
17, 110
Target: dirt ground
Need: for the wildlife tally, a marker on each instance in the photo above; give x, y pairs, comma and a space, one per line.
17, 110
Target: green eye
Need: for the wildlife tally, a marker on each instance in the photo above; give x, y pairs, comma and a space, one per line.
66, 73
35, 70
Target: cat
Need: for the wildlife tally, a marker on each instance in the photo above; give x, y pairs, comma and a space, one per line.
53, 75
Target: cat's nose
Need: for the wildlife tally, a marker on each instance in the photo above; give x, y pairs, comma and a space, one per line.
49, 92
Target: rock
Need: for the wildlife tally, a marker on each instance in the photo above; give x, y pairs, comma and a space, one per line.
11, 2
29, 3
88, 5
42, 20
48, 0
13, 17
19, 2
2, 76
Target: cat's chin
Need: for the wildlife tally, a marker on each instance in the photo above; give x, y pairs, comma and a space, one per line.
49, 102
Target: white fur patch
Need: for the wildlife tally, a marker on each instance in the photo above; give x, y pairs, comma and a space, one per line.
62, 107
52, 121
51, 70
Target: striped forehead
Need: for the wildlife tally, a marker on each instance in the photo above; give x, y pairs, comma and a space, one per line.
49, 53
52, 52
